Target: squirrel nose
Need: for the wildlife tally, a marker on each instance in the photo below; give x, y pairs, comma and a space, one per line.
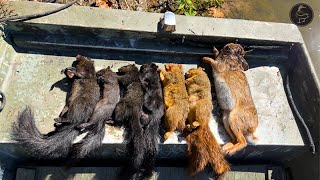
100, 79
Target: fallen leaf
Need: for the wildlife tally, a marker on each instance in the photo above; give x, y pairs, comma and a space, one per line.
214, 12
103, 4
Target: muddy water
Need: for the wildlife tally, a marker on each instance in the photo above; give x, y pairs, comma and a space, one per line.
278, 11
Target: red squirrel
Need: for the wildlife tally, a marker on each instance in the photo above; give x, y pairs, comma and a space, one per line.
175, 98
203, 148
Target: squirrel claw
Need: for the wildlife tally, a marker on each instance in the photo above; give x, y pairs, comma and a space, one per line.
188, 127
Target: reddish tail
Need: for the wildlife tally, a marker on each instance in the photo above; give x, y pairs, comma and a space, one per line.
203, 148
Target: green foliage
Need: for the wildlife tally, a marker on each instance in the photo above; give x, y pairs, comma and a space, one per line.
209, 3
186, 7
190, 7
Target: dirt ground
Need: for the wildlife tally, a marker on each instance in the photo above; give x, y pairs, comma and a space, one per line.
159, 6
135, 5
230, 8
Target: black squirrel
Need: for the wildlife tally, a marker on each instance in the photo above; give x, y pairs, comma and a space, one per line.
140, 111
102, 113
128, 113
85, 94
152, 112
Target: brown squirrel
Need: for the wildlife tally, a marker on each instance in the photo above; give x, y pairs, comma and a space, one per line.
203, 148
240, 117
175, 98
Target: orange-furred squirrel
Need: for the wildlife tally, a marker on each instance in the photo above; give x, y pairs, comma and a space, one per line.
175, 98
203, 148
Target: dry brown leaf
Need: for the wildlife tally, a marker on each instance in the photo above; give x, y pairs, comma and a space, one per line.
216, 13
103, 4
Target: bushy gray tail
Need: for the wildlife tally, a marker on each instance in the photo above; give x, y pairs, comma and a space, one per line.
91, 141
55, 145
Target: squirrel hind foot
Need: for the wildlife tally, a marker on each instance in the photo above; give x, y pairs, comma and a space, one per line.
167, 135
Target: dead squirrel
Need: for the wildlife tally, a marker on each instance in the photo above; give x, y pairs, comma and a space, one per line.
85, 94
175, 98
240, 116
128, 113
102, 113
152, 112
83, 65
203, 148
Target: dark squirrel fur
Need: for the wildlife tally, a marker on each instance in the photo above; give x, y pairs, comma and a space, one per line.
102, 113
152, 112
128, 113
140, 110
85, 94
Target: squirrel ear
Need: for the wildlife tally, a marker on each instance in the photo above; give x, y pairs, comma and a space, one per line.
241, 50
215, 52
83, 58
154, 66
238, 49
78, 57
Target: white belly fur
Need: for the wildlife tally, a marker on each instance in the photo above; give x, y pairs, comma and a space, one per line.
223, 92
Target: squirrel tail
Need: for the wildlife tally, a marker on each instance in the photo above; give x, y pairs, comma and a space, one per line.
203, 148
92, 141
152, 136
56, 145
135, 148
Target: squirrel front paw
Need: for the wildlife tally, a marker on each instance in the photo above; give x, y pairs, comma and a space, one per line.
192, 126
208, 60
195, 124
162, 72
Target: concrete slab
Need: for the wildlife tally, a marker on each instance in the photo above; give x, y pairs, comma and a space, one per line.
42, 47
32, 76
146, 22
